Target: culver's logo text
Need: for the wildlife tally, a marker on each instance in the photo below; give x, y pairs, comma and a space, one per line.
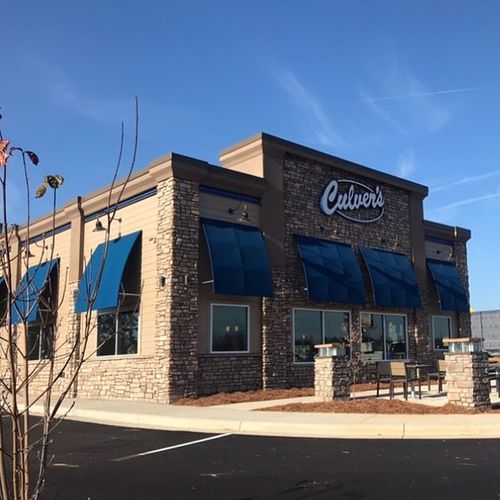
353, 201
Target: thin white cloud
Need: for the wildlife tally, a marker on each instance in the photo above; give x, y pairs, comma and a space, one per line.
406, 163
467, 201
312, 110
423, 111
59, 90
466, 180
382, 113
421, 94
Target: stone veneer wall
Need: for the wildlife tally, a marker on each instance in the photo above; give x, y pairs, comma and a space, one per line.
331, 378
467, 381
303, 183
240, 372
177, 306
463, 319
121, 378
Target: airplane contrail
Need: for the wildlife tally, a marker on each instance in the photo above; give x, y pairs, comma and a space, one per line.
421, 94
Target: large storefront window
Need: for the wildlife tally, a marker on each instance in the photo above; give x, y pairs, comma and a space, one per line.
441, 329
117, 333
229, 328
40, 338
383, 337
312, 326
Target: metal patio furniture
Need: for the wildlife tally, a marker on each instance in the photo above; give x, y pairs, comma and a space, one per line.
383, 374
401, 371
494, 372
438, 375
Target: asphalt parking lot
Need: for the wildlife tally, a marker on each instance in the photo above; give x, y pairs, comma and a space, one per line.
104, 462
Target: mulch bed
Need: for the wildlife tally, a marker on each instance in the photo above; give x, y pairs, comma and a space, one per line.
384, 406
226, 398
368, 405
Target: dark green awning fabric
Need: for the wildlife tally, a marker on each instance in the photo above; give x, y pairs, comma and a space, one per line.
449, 285
103, 276
238, 256
393, 279
332, 271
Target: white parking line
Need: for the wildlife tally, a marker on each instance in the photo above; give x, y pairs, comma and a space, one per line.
168, 448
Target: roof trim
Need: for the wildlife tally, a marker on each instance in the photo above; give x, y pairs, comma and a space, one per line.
333, 161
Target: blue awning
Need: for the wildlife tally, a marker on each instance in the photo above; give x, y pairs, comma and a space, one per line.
103, 274
238, 256
393, 279
449, 286
331, 270
28, 291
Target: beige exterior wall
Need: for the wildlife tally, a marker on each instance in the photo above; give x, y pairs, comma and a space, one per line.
140, 216
49, 248
218, 207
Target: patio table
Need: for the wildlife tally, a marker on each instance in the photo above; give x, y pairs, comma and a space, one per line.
417, 367
494, 374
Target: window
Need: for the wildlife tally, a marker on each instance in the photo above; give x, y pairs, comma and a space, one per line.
441, 329
229, 328
4, 302
39, 341
117, 333
41, 332
383, 336
313, 326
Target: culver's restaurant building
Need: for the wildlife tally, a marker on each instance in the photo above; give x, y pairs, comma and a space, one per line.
223, 279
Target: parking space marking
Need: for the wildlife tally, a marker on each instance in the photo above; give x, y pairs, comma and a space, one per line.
168, 448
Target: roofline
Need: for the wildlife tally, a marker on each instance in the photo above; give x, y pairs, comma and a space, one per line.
159, 169
334, 161
445, 232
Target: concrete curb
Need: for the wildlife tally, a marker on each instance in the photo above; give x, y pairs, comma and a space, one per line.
338, 426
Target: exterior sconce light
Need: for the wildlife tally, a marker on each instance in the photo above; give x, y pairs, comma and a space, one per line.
98, 226
243, 214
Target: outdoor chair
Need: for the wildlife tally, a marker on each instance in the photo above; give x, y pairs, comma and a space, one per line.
383, 374
494, 372
438, 375
399, 372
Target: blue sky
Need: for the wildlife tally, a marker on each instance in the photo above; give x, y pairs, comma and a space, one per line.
410, 88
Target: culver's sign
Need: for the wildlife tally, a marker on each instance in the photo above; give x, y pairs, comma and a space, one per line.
353, 201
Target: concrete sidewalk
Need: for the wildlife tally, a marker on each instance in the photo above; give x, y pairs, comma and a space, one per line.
245, 418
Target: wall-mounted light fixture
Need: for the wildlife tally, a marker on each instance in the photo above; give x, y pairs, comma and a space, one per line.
99, 227
27, 253
241, 210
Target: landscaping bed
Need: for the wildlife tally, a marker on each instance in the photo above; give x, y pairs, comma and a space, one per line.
375, 405
226, 398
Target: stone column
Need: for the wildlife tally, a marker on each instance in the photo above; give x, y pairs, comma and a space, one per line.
331, 378
177, 289
467, 379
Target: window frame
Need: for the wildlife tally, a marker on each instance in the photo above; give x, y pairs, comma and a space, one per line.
322, 311
40, 326
450, 323
117, 313
247, 307
384, 314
